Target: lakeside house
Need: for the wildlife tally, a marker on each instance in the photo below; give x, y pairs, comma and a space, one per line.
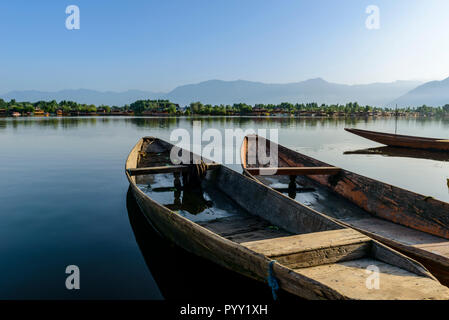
38, 112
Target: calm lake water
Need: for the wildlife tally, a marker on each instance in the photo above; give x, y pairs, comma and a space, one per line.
64, 200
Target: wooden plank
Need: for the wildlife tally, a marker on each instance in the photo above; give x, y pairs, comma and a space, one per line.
313, 249
306, 242
294, 171
165, 169
394, 283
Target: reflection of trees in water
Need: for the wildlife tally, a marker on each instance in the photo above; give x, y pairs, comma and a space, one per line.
151, 122
213, 122
52, 122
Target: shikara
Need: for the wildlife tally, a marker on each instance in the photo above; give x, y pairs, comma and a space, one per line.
397, 140
411, 223
240, 224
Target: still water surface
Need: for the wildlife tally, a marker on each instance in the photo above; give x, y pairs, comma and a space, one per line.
63, 198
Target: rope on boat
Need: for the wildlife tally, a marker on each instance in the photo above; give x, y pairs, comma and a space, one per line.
272, 282
194, 174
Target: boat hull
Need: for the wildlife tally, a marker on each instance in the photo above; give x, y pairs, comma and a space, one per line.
387, 202
395, 140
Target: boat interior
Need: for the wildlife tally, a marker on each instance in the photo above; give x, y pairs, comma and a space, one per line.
315, 195
238, 209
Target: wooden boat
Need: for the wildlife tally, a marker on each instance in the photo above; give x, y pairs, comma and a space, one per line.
413, 224
253, 230
403, 153
397, 140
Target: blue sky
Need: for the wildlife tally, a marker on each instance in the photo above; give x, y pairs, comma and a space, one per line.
158, 45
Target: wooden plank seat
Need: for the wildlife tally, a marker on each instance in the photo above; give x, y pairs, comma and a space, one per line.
294, 171
166, 169
313, 249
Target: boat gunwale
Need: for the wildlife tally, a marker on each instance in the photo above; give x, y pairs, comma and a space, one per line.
393, 135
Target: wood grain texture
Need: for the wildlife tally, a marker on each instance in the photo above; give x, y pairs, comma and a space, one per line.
314, 249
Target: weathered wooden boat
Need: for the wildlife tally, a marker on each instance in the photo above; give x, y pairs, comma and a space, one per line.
411, 223
397, 140
403, 153
251, 229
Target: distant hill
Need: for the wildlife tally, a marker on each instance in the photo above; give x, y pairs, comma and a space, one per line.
434, 93
82, 96
229, 92
313, 90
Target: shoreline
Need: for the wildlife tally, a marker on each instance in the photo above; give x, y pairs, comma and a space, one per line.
352, 116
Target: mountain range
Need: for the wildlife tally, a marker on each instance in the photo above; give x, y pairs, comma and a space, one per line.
433, 93
404, 93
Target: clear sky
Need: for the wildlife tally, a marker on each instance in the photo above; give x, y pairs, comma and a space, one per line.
158, 45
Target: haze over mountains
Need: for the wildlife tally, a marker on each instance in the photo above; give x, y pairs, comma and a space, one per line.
433, 93
405, 93
313, 90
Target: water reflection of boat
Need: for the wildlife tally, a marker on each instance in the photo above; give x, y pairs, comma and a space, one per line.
181, 275
412, 223
403, 153
397, 140
263, 235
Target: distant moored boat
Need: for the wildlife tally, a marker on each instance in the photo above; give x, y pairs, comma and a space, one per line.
396, 140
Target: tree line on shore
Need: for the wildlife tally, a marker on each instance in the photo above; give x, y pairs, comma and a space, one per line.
161, 107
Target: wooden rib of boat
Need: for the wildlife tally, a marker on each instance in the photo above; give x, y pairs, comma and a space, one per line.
411, 223
251, 229
397, 140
